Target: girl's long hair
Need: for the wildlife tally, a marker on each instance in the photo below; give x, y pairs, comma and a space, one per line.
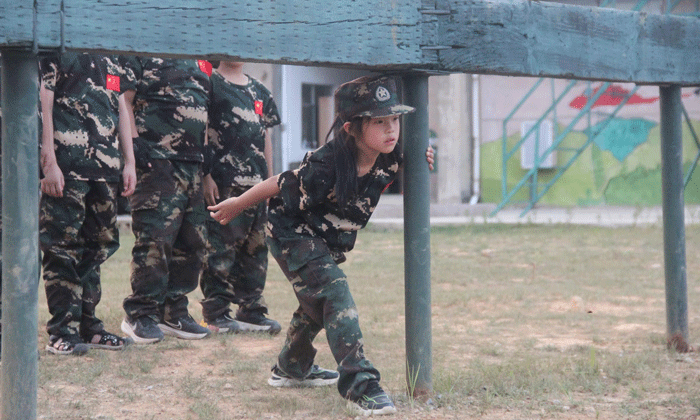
345, 158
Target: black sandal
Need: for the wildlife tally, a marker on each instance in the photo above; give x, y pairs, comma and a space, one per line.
107, 341
69, 344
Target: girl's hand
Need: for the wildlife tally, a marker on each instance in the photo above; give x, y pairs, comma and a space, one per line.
430, 157
225, 211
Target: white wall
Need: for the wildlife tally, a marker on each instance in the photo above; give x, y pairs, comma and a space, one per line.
449, 115
292, 77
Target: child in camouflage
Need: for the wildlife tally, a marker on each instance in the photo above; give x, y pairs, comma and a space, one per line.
238, 156
84, 126
315, 213
169, 101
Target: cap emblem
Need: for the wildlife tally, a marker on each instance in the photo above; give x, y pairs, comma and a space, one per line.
382, 94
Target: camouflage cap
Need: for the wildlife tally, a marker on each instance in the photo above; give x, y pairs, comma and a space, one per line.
369, 96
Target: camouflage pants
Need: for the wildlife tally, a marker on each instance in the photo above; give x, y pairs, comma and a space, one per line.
236, 265
168, 221
77, 233
325, 302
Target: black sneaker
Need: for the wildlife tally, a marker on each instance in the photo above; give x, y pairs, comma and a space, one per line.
224, 324
256, 321
143, 330
184, 327
317, 377
373, 402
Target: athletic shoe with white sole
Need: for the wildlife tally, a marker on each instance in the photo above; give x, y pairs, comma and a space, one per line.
317, 377
184, 327
143, 330
373, 402
256, 321
224, 324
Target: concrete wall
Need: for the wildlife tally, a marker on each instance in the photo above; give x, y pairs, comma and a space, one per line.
449, 115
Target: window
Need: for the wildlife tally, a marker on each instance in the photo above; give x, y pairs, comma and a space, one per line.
316, 114
543, 137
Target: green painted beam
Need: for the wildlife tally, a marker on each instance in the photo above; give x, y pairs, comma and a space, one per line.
523, 38
518, 37
319, 32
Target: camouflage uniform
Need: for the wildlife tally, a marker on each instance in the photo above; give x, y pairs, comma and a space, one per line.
78, 231
167, 207
237, 262
308, 235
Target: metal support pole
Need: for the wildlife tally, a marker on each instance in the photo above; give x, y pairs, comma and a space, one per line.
20, 233
673, 218
417, 237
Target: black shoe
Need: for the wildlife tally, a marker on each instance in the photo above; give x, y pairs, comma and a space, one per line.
143, 330
373, 402
317, 377
256, 321
184, 327
224, 324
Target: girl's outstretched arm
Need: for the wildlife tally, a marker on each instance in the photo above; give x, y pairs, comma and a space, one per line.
225, 211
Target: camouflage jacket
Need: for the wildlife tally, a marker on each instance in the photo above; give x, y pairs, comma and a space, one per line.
170, 106
85, 113
305, 220
238, 119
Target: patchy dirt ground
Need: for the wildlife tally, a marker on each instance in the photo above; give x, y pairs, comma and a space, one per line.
224, 377
527, 323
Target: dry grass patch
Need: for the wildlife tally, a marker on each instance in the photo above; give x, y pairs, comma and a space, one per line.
557, 322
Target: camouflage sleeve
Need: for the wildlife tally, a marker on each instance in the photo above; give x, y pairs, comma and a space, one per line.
312, 183
128, 76
135, 66
270, 114
49, 68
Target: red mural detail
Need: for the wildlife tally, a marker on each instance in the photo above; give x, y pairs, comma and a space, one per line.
613, 95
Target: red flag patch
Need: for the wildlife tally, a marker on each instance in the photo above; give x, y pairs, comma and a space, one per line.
205, 66
113, 82
258, 107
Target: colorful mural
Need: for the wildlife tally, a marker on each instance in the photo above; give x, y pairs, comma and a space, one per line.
621, 167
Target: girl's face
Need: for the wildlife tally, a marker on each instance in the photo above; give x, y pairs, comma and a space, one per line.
380, 134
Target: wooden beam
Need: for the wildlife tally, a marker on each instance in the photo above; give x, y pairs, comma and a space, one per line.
522, 38
517, 38
361, 33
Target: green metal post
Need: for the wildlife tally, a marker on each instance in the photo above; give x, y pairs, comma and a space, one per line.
20, 233
417, 237
673, 218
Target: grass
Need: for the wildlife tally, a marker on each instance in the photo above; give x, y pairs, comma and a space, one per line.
528, 321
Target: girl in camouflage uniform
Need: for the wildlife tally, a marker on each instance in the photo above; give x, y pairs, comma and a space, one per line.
315, 213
